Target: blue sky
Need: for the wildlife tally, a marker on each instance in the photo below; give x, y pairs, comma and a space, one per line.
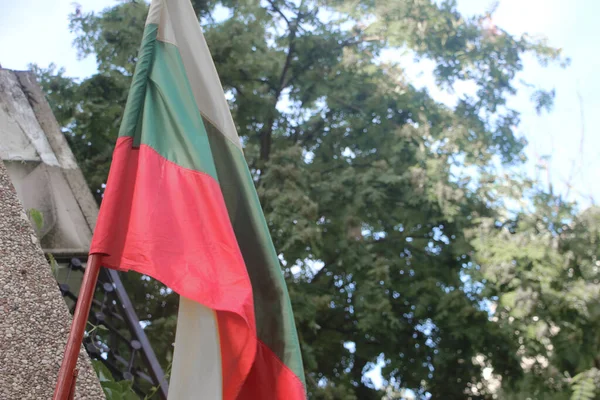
37, 31
571, 26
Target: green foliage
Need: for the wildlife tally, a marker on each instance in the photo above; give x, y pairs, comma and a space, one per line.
53, 264
584, 385
36, 217
387, 207
94, 328
542, 266
113, 390
156, 388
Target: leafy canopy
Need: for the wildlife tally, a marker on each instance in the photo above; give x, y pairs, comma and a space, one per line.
372, 189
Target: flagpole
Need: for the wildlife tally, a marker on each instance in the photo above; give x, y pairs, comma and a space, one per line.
65, 384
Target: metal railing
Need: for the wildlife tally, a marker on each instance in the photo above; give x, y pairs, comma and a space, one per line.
115, 336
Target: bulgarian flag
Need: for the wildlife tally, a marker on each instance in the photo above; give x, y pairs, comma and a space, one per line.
180, 206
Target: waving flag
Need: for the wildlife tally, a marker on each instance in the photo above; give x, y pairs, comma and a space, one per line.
180, 206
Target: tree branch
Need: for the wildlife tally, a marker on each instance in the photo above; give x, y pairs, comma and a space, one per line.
346, 43
278, 11
267, 133
319, 273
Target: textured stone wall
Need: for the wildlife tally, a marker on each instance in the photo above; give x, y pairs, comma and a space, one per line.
34, 320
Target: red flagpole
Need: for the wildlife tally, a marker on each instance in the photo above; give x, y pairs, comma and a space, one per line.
65, 384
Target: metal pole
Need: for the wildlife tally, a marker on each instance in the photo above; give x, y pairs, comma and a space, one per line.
65, 382
134, 324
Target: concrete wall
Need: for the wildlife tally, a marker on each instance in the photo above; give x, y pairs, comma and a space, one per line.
34, 320
42, 167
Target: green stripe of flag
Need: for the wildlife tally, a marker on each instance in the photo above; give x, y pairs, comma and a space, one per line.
162, 99
274, 317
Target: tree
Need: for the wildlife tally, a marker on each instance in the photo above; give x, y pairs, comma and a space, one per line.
370, 187
542, 268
